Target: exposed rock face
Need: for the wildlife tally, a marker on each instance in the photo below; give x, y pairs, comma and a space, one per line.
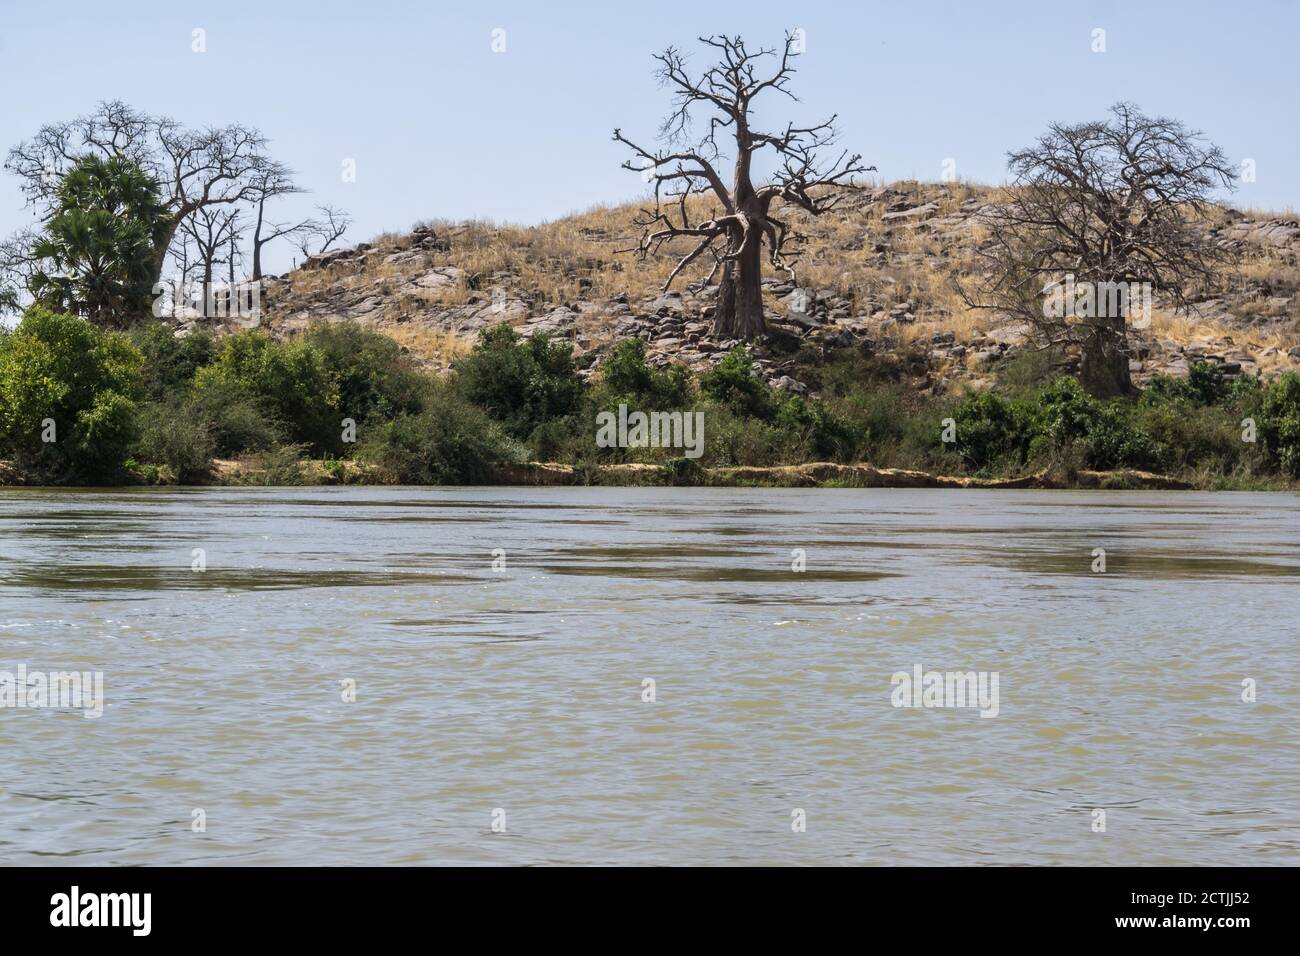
885, 238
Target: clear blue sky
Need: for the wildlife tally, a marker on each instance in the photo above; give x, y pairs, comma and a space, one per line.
440, 126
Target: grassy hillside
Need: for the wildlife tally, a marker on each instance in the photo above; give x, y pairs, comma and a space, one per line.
881, 269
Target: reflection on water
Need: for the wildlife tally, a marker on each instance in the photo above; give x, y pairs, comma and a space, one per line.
521, 689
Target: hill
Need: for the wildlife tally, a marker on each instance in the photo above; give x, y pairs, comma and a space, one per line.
876, 274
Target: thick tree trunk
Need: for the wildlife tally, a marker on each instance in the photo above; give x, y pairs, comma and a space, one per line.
1103, 366
724, 314
161, 248
740, 296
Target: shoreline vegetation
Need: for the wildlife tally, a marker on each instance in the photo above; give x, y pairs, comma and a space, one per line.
340, 404
1100, 320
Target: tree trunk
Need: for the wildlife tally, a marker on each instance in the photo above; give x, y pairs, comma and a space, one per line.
163, 245
257, 241
740, 296
1103, 366
724, 314
208, 307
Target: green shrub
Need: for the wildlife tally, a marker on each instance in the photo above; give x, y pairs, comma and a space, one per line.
993, 431
171, 435
450, 442
732, 440
1102, 430
335, 470
170, 361
1279, 425
682, 471
289, 382
61, 369
1205, 384
568, 439
1207, 437
626, 378
823, 435
279, 466
236, 420
520, 382
370, 376
733, 384
105, 434
1244, 393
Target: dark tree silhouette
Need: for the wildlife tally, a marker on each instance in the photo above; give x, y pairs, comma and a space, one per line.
268, 184
742, 217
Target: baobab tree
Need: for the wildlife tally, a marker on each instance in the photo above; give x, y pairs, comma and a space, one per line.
1113, 204
741, 216
195, 169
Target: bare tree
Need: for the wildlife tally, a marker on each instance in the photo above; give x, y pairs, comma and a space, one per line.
17, 265
1099, 207
270, 183
195, 169
741, 217
328, 228
213, 232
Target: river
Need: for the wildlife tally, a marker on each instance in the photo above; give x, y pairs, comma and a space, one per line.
463, 676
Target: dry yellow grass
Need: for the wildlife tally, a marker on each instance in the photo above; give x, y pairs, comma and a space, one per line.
437, 348
852, 252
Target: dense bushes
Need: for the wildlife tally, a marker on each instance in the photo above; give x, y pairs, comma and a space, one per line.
1280, 428
290, 382
733, 385
449, 442
255, 391
522, 383
170, 361
1059, 424
1192, 424
173, 404
993, 431
67, 398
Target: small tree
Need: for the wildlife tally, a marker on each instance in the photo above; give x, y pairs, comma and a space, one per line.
213, 233
67, 394
270, 183
322, 231
1103, 206
741, 219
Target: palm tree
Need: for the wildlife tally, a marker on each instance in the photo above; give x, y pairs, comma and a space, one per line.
98, 246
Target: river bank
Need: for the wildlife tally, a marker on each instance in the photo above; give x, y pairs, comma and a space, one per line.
819, 474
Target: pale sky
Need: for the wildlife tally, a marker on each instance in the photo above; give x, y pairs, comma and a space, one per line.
440, 126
